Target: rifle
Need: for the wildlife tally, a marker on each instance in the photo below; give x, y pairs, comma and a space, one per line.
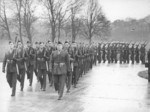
17, 68
46, 60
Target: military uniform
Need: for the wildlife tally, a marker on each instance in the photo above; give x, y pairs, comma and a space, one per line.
30, 62
121, 53
148, 56
60, 67
20, 57
108, 53
9, 63
49, 51
137, 54
132, 50
69, 73
104, 53
99, 53
42, 67
142, 54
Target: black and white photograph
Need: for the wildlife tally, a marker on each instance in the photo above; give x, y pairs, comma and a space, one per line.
74, 55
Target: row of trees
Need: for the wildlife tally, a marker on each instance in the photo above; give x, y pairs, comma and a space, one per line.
80, 18
131, 29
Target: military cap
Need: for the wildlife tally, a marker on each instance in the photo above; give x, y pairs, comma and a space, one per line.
10, 42
66, 41
28, 42
59, 42
36, 42
18, 41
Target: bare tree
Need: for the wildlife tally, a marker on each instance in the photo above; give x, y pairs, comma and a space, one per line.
56, 13
94, 21
28, 17
75, 7
51, 12
18, 5
61, 16
4, 24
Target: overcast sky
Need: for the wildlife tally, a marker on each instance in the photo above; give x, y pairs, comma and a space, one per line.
122, 9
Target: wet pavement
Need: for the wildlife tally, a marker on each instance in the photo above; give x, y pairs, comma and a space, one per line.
106, 88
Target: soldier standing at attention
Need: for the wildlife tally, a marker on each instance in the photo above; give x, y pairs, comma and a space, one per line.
104, 53
30, 61
132, 50
128, 53
148, 56
9, 62
20, 56
112, 53
99, 53
142, 53
60, 67
108, 52
121, 53
42, 66
137, 54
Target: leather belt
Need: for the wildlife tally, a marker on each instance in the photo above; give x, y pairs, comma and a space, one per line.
40, 59
59, 64
9, 61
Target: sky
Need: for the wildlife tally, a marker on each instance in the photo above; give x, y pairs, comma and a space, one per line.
119, 9
122, 9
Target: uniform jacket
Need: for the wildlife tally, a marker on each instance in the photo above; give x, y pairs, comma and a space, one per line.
41, 58
60, 62
20, 56
10, 62
30, 55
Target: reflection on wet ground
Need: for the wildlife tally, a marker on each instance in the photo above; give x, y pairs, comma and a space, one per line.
106, 88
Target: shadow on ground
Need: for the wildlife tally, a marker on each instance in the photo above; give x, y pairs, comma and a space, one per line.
143, 74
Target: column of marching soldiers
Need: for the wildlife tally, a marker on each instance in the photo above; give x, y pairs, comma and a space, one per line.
63, 64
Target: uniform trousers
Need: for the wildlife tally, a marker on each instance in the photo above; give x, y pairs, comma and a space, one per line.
59, 83
12, 81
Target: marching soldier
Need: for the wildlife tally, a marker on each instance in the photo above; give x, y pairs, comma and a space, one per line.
30, 61
49, 50
42, 67
20, 57
60, 67
35, 66
69, 73
11, 68
74, 56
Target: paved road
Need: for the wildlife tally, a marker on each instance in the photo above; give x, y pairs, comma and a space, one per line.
106, 88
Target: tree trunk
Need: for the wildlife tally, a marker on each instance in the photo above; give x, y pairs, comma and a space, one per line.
53, 32
6, 22
73, 30
8, 31
20, 29
59, 32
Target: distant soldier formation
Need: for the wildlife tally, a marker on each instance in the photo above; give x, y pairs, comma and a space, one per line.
64, 63
121, 51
